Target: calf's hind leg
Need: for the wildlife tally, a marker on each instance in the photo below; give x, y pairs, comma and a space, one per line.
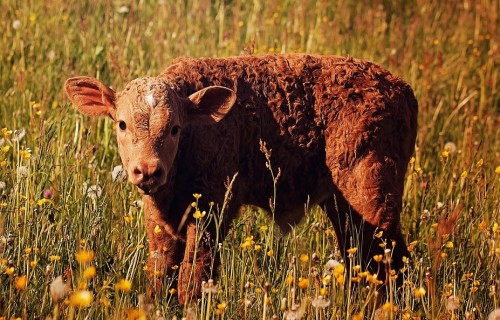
368, 199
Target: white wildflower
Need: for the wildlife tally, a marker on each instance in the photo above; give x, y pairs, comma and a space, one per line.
138, 203
295, 313
57, 289
51, 55
123, 10
93, 192
18, 134
452, 303
209, 287
425, 215
320, 302
440, 205
2, 185
330, 265
23, 171
16, 24
450, 147
118, 173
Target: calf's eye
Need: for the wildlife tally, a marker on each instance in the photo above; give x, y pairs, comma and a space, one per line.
122, 125
175, 130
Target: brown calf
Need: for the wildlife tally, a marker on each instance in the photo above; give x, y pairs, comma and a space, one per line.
341, 132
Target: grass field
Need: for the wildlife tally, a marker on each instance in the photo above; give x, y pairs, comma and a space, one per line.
61, 213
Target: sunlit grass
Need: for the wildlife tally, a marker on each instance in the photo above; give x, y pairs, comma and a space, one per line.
72, 239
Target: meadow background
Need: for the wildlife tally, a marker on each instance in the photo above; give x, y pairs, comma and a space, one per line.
62, 214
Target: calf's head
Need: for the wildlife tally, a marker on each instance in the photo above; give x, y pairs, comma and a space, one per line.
149, 117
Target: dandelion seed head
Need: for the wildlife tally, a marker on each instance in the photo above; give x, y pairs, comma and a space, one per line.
295, 313
119, 173
450, 147
320, 302
58, 289
123, 10
18, 135
452, 303
93, 192
330, 265
138, 203
16, 24
425, 215
23, 171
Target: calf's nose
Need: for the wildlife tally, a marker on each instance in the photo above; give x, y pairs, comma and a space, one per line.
146, 173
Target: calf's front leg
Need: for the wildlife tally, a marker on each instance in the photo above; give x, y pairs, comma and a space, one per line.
196, 265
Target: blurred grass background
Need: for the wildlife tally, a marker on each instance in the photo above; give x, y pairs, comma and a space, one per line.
447, 50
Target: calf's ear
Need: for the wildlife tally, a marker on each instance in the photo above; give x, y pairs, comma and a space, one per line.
210, 105
90, 96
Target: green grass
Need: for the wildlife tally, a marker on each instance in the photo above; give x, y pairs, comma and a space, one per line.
447, 50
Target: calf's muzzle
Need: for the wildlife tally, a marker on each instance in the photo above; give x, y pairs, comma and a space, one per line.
147, 175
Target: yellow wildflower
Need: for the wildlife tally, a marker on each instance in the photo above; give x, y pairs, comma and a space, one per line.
196, 196
5, 148
352, 250
89, 272
54, 258
6, 133
128, 218
172, 291
289, 280
304, 258
303, 283
247, 243
33, 263
326, 279
81, 298
84, 256
358, 316
464, 174
105, 302
480, 163
419, 292
21, 282
270, 253
449, 245
136, 314
9, 271
198, 214
124, 285
495, 228
157, 229
378, 257
497, 170
41, 202
339, 270
445, 154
